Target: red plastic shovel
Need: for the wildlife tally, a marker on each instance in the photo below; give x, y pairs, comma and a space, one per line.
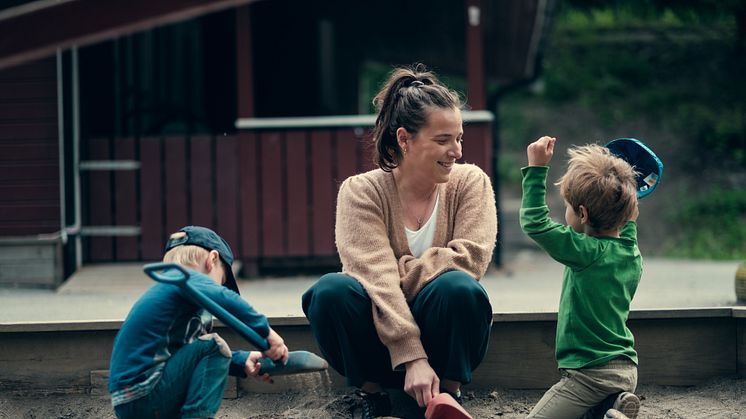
443, 406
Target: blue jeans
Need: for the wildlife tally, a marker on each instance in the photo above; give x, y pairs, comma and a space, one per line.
191, 386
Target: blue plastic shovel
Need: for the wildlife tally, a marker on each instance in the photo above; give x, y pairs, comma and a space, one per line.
298, 361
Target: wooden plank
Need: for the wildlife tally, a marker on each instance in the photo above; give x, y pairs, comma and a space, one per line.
26, 131
685, 351
38, 69
477, 146
151, 199
740, 345
39, 211
36, 191
366, 150
46, 111
38, 272
346, 144
36, 151
226, 189
297, 186
26, 172
201, 168
28, 90
23, 254
272, 195
22, 228
176, 192
682, 313
25, 359
520, 355
323, 194
249, 194
125, 200
99, 201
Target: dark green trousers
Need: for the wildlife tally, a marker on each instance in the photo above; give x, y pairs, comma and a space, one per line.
453, 312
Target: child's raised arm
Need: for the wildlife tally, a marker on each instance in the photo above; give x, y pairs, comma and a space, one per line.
540, 151
635, 212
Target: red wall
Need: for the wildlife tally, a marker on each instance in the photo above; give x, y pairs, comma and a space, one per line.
270, 193
29, 163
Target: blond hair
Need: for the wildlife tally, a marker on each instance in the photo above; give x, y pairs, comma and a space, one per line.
601, 182
187, 255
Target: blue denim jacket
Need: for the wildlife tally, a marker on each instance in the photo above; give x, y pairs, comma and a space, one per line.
161, 322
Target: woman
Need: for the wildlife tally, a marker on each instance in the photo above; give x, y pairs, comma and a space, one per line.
414, 236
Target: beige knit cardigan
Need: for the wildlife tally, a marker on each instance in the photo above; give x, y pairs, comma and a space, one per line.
373, 247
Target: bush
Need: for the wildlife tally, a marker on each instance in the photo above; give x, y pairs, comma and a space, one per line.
715, 227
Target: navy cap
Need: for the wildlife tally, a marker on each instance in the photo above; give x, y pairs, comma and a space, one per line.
648, 166
208, 239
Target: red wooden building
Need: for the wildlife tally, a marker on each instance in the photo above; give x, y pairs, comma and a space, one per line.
121, 122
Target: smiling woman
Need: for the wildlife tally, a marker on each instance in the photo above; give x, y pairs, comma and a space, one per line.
414, 237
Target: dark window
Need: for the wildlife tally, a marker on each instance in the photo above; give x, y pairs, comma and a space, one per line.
177, 79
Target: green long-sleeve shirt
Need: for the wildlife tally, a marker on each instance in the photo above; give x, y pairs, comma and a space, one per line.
600, 279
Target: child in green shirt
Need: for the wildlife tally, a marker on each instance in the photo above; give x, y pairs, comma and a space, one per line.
598, 246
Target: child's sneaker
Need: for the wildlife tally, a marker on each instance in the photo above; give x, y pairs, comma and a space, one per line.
628, 404
444, 406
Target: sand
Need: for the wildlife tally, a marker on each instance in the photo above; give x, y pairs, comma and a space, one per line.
723, 398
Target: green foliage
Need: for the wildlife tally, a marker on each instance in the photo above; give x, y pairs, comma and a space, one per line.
691, 83
676, 66
635, 13
509, 172
715, 227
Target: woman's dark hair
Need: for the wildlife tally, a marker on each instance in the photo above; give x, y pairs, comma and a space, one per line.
405, 101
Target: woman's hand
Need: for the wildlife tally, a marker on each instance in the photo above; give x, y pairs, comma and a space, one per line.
277, 350
253, 365
540, 151
421, 382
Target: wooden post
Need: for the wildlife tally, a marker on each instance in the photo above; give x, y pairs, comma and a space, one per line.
476, 90
244, 68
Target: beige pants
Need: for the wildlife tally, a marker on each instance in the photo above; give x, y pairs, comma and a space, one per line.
580, 389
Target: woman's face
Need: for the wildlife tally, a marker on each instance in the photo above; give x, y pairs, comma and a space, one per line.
432, 152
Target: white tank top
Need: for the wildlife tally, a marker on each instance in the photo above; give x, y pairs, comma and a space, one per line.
422, 239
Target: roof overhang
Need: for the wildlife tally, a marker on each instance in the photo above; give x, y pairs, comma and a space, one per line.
36, 29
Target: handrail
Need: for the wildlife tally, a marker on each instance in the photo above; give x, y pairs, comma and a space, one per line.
338, 121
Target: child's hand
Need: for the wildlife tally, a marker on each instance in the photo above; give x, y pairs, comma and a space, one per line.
540, 151
277, 350
253, 365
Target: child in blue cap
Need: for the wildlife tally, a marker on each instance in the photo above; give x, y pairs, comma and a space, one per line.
165, 361
598, 246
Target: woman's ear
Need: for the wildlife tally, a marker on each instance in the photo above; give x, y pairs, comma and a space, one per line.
402, 136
